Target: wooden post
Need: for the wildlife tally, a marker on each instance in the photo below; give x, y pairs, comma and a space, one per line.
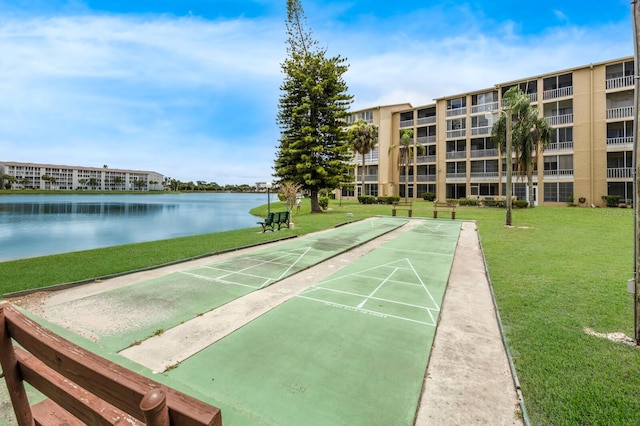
635, 13
12, 376
154, 407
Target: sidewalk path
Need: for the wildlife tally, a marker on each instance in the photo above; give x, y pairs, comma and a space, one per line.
468, 378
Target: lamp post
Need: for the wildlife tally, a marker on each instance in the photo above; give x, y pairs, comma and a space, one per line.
509, 168
268, 185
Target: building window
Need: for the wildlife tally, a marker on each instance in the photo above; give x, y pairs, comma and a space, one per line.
558, 192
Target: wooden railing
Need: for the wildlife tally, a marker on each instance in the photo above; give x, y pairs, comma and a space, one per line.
82, 388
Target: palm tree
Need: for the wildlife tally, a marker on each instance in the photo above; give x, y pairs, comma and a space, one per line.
534, 139
405, 154
7, 181
531, 134
363, 138
118, 181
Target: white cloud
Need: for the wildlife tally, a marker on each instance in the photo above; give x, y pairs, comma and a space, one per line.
197, 99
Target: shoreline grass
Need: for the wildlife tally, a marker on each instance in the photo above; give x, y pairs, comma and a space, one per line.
557, 271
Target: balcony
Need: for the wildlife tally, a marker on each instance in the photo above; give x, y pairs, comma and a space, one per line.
426, 139
425, 178
620, 142
533, 97
559, 120
456, 154
420, 159
370, 158
484, 176
406, 123
560, 146
557, 93
481, 131
620, 173
476, 153
368, 178
426, 120
456, 133
489, 107
456, 112
456, 177
620, 82
559, 173
619, 113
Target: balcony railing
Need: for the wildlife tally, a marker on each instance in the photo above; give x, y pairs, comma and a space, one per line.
403, 178
484, 130
456, 154
368, 178
488, 107
560, 146
426, 178
426, 120
426, 139
621, 112
457, 112
559, 120
456, 176
533, 97
425, 159
370, 158
621, 141
475, 153
456, 133
620, 82
620, 173
484, 175
406, 123
557, 93
559, 172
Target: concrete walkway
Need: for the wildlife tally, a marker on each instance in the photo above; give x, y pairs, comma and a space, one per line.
468, 378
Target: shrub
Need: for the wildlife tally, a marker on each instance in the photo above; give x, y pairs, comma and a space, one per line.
324, 202
366, 199
520, 204
611, 200
467, 202
494, 203
388, 200
428, 196
327, 193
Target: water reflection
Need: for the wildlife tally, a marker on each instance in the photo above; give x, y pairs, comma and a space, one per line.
83, 208
36, 225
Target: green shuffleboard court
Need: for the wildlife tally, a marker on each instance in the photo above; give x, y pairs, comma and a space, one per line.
351, 350
118, 318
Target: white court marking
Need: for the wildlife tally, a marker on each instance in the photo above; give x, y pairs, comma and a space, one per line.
430, 307
258, 263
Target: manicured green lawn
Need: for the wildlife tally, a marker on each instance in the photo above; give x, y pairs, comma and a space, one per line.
555, 272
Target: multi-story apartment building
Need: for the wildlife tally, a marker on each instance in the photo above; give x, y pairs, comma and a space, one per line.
56, 177
591, 111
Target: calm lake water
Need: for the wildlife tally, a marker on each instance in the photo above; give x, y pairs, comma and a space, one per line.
38, 225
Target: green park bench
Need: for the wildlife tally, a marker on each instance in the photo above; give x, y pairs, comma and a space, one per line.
268, 222
278, 218
282, 219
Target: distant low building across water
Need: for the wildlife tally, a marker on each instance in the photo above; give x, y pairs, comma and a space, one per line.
60, 177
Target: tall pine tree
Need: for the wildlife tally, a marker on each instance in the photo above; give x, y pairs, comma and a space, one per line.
313, 151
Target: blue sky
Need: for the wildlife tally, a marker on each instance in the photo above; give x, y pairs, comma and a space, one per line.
190, 88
